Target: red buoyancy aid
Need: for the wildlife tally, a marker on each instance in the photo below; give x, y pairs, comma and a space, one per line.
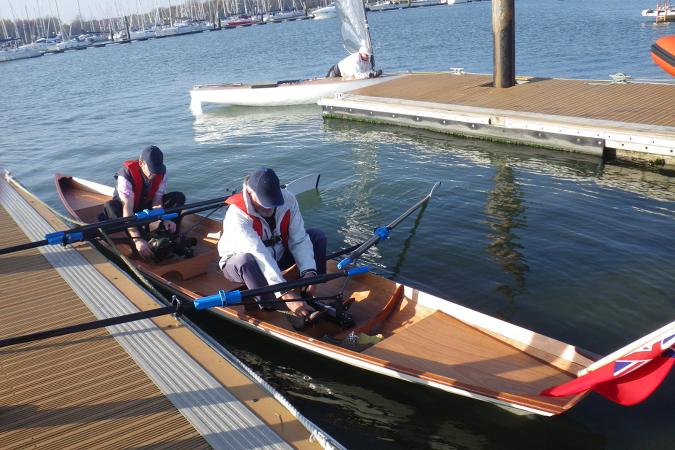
238, 201
134, 168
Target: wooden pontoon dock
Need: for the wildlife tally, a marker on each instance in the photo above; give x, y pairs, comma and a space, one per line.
624, 120
157, 383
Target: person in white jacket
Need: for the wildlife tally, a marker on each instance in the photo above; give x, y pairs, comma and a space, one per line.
264, 234
356, 66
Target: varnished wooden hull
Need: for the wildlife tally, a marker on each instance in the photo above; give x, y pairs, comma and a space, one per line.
427, 340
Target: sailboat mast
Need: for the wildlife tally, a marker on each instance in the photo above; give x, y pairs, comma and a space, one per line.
369, 43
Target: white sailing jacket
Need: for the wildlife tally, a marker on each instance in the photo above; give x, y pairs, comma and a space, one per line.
353, 67
239, 237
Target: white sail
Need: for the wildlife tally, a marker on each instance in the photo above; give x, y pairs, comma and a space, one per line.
353, 24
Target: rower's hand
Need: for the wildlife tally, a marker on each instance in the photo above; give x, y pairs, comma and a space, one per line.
298, 307
143, 248
311, 290
169, 226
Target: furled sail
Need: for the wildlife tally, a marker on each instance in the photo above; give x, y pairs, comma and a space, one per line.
353, 24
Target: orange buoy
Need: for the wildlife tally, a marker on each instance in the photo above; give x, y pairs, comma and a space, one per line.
663, 53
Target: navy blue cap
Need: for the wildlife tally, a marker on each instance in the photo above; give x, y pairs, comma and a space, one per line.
154, 158
265, 183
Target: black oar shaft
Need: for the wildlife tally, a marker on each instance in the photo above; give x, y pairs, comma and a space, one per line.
87, 326
231, 298
26, 246
221, 299
85, 232
412, 209
381, 233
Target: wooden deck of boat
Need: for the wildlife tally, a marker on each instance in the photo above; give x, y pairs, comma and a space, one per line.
623, 119
148, 384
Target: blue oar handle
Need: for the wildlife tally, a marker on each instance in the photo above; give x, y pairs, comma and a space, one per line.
222, 298
358, 271
231, 298
148, 213
63, 237
68, 237
344, 263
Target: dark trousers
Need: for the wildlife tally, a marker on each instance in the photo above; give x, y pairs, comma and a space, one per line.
243, 268
113, 209
334, 72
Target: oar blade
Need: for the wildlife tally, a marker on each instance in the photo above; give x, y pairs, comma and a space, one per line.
304, 184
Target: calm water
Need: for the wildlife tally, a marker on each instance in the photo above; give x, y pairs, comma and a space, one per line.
561, 244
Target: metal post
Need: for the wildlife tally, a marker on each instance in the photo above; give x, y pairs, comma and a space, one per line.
126, 25
504, 37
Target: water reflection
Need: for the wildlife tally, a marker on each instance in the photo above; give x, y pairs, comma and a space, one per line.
647, 182
658, 184
505, 213
408, 241
355, 201
239, 124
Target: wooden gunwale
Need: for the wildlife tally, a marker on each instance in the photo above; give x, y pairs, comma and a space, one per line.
389, 309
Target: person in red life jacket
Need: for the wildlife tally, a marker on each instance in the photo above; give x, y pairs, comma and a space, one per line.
264, 234
141, 184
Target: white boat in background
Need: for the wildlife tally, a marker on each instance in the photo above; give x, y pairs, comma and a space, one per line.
354, 29
664, 12
49, 45
327, 12
281, 16
75, 43
386, 5
180, 28
420, 3
455, 2
281, 93
23, 52
136, 35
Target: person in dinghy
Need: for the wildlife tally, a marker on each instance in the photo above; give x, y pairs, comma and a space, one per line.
356, 66
141, 184
264, 234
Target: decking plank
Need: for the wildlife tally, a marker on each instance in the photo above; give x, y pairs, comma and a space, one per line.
633, 102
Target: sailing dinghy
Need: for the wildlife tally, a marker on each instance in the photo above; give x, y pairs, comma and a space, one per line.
355, 33
394, 330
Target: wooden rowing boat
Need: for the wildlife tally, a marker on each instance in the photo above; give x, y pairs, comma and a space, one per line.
425, 339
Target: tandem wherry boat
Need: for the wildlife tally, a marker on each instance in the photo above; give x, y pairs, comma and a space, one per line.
395, 330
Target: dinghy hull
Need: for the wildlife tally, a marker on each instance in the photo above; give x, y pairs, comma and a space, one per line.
282, 93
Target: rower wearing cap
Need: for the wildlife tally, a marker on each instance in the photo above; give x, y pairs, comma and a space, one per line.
356, 66
141, 184
264, 234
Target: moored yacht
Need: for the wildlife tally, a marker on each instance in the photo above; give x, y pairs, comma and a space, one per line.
280, 16
327, 12
385, 5
183, 27
664, 12
420, 3
23, 52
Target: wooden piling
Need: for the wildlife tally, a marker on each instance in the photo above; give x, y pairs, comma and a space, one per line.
504, 38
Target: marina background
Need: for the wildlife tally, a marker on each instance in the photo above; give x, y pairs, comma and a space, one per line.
562, 244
